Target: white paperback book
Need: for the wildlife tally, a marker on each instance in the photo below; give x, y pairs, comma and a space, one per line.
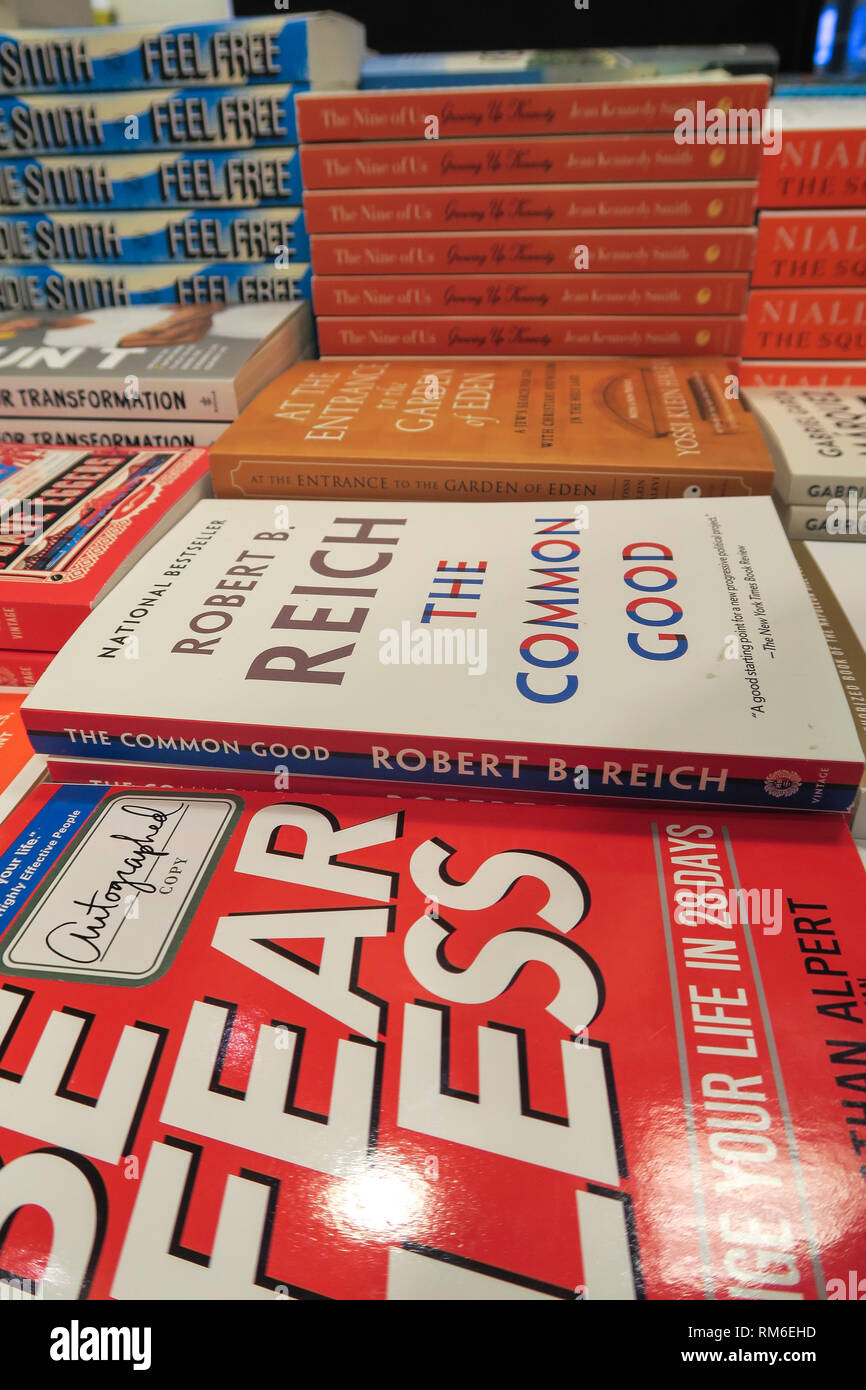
661, 649
817, 437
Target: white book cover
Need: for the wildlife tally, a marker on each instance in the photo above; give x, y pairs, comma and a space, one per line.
661, 649
817, 437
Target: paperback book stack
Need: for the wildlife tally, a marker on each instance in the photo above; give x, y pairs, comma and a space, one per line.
554, 219
806, 320
72, 522
817, 437
159, 165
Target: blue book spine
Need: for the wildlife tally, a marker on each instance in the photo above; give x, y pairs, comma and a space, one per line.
145, 238
49, 287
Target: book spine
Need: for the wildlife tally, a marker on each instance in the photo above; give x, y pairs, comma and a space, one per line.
800, 323
530, 294
815, 169
808, 249
756, 373
507, 336
528, 208
76, 287
218, 234
41, 627
244, 178
22, 669
538, 159
811, 523
140, 122
337, 759
158, 55
480, 253
584, 108
109, 434
846, 648
83, 398
235, 476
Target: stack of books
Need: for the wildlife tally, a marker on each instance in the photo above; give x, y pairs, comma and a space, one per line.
557, 219
72, 522
158, 165
817, 437
806, 320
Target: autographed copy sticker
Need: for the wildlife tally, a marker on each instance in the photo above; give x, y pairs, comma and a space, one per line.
116, 907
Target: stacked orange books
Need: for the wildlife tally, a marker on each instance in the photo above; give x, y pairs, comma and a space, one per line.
551, 220
806, 320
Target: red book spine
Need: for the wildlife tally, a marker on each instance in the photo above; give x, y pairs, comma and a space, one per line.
531, 207
542, 159
565, 336
516, 110
20, 668
40, 626
815, 169
530, 294
802, 373
810, 248
502, 253
806, 323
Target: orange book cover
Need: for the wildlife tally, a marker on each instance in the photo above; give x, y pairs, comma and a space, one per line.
440, 428
532, 159
636, 250
806, 323
816, 167
554, 108
810, 248
530, 207
530, 294
20, 768
550, 335
781, 373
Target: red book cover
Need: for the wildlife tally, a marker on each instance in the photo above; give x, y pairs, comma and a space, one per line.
810, 249
72, 521
720, 249
530, 207
565, 335
20, 668
534, 159
781, 373
818, 167
806, 323
584, 108
368, 1048
530, 294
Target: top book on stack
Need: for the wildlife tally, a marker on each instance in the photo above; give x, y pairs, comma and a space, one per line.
563, 65
323, 49
821, 159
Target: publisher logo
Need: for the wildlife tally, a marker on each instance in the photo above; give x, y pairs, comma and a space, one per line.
782, 782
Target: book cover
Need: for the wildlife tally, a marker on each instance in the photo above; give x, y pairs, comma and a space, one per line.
110, 434
530, 208
441, 429
163, 363
76, 287
787, 373
806, 323
233, 178
836, 579
73, 521
643, 650
217, 234
532, 159
280, 1063
822, 521
535, 294
324, 49
557, 109
567, 335
822, 160
403, 70
817, 437
647, 250
810, 249
139, 121
20, 669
